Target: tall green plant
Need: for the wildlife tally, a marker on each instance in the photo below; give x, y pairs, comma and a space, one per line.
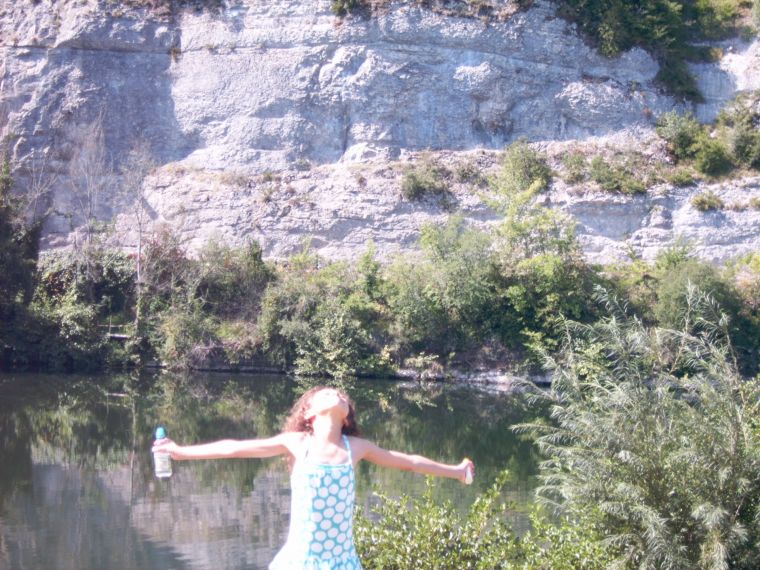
653, 438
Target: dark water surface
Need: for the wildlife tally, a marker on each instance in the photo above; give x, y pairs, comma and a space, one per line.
77, 489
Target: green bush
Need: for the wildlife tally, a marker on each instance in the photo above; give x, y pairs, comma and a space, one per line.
745, 146
712, 157
675, 76
614, 178
231, 281
575, 167
707, 201
422, 179
540, 274
184, 336
671, 308
461, 277
681, 132
665, 28
679, 485
18, 250
324, 321
343, 7
167, 271
425, 535
680, 177
417, 321
523, 168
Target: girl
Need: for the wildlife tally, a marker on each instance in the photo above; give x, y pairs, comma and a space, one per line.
321, 444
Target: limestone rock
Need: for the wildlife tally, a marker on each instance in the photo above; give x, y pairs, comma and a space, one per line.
262, 86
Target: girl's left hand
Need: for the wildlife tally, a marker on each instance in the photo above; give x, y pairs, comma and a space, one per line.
464, 467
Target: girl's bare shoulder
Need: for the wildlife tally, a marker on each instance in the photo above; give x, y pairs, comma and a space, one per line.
293, 440
360, 446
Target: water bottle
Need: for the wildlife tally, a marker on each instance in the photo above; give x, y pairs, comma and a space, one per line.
162, 461
468, 475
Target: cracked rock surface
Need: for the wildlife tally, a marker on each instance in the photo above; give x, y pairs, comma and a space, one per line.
223, 99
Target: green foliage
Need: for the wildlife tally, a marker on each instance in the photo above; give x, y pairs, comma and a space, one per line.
707, 201
469, 172
570, 543
712, 157
422, 534
672, 309
324, 321
541, 274
231, 281
72, 305
18, 250
665, 28
681, 132
343, 7
675, 76
680, 177
575, 167
741, 117
653, 440
615, 178
166, 270
523, 168
424, 178
461, 277
182, 336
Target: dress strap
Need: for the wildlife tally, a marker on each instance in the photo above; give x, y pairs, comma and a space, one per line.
348, 448
307, 447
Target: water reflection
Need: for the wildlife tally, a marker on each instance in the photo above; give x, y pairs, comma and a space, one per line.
77, 488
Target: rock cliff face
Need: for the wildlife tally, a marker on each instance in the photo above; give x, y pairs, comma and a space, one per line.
279, 122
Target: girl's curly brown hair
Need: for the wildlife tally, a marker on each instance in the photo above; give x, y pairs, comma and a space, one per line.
298, 422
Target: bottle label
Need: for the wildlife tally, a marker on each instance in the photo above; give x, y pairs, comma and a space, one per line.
163, 464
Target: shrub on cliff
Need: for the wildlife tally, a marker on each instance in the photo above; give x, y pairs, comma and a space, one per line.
707, 201
666, 28
712, 157
343, 7
18, 248
424, 178
540, 273
741, 118
615, 177
681, 132
523, 168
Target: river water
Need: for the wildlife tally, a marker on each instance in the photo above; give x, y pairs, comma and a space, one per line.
77, 489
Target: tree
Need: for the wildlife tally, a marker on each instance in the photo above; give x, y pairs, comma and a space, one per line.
134, 171
90, 173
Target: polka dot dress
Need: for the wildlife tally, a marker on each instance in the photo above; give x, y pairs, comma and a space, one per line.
321, 518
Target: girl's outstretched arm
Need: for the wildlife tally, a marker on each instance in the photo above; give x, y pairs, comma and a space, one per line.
231, 448
364, 449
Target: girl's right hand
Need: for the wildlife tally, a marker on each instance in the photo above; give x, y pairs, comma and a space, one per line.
467, 471
165, 445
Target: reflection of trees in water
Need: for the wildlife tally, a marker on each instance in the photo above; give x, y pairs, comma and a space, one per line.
448, 424
104, 428
76, 421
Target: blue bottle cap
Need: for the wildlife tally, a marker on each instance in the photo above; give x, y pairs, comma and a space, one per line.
160, 432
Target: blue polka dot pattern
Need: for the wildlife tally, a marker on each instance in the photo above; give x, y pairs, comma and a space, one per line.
321, 518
